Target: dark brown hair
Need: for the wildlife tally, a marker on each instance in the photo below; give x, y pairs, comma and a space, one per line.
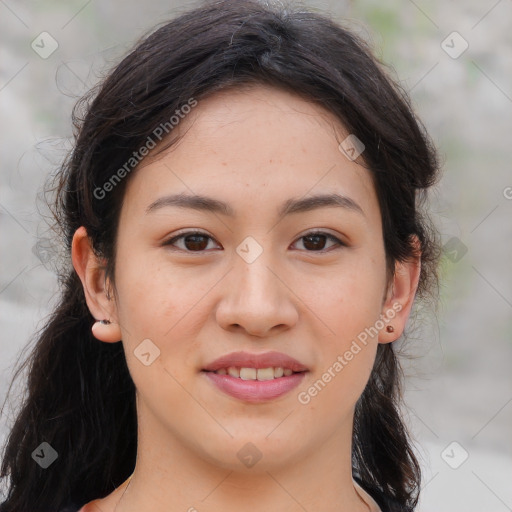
80, 396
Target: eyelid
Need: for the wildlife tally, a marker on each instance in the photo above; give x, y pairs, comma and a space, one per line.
328, 235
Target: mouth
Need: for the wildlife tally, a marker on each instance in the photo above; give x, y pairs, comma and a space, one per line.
255, 378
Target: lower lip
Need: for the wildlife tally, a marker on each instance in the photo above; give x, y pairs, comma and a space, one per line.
255, 391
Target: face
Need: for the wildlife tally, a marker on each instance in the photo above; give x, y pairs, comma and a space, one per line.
195, 284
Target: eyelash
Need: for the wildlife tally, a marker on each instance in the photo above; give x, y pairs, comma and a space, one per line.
310, 233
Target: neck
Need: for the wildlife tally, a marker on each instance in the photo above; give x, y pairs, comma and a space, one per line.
172, 477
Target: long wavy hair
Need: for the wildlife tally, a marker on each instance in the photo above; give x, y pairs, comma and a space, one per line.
80, 397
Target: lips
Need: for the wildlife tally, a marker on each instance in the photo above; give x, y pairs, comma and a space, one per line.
251, 360
255, 378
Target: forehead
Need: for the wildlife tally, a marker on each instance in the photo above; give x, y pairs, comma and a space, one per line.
257, 143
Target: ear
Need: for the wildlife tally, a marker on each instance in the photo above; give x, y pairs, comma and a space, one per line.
91, 270
400, 295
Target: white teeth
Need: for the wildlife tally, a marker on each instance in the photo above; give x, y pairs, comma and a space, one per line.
265, 374
248, 373
255, 373
234, 372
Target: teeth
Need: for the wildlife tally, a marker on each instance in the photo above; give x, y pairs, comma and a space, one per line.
248, 373
234, 372
265, 374
255, 373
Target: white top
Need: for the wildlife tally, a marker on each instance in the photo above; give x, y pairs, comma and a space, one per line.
373, 507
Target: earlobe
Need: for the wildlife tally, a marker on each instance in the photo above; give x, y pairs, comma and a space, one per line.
91, 271
402, 291
106, 331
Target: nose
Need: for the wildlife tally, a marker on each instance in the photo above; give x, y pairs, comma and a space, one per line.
257, 299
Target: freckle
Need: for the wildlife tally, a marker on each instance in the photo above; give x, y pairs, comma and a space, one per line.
224, 163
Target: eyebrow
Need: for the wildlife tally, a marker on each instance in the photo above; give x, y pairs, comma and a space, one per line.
291, 206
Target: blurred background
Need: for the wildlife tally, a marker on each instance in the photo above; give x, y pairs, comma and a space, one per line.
455, 60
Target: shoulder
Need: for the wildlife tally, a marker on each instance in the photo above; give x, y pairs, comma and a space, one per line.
88, 507
386, 503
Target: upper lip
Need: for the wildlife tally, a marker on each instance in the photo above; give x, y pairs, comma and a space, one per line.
262, 360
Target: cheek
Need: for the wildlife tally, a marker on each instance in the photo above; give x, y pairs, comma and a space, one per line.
158, 303
351, 303
343, 372
349, 309
139, 299
153, 294
156, 332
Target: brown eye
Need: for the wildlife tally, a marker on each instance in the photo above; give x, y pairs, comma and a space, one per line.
196, 242
193, 241
316, 241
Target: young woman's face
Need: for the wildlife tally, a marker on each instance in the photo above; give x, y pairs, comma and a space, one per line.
254, 280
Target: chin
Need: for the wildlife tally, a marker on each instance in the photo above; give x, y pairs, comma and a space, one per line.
256, 453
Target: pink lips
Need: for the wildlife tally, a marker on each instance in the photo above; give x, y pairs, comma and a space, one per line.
253, 390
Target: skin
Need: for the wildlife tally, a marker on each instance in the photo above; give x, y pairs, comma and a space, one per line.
254, 149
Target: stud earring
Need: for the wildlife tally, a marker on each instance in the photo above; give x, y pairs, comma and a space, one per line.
390, 328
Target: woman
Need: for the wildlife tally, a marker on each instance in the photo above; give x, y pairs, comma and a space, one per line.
243, 213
